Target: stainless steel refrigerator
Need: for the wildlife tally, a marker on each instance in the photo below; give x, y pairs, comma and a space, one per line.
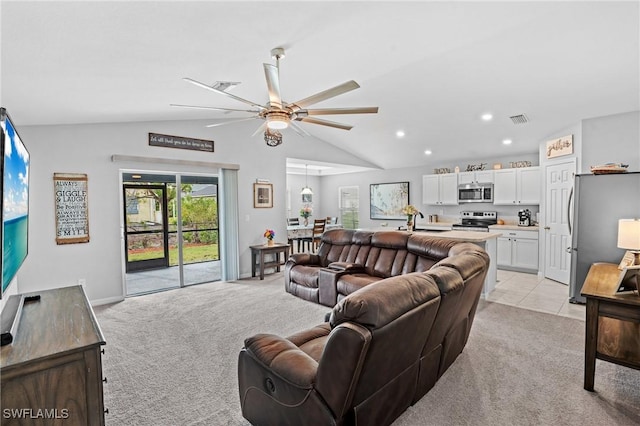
599, 201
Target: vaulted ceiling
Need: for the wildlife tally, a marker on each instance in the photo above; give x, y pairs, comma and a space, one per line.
433, 68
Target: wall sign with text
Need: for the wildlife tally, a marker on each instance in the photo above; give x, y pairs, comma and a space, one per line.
179, 142
559, 147
71, 208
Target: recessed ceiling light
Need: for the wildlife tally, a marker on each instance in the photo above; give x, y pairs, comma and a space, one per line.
507, 141
487, 116
400, 133
428, 152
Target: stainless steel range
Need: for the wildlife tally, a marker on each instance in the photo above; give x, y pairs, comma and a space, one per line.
476, 221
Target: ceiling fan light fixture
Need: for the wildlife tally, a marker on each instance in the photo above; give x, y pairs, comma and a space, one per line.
277, 121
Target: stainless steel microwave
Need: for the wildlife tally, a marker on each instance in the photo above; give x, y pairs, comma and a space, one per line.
475, 193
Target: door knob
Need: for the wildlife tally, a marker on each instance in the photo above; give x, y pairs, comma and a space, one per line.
568, 250
547, 228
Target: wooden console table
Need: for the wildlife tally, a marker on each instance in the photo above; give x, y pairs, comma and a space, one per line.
613, 322
258, 254
52, 371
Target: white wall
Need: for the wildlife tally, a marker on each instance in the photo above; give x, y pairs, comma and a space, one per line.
88, 149
611, 139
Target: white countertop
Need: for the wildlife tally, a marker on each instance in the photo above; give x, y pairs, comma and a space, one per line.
470, 236
513, 228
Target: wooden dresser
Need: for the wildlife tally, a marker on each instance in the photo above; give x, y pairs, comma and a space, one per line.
52, 372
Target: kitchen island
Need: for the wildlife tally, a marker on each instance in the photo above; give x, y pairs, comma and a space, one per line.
487, 240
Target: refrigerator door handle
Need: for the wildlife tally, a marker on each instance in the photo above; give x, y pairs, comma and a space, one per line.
569, 210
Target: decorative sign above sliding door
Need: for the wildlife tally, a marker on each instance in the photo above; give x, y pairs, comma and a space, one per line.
179, 142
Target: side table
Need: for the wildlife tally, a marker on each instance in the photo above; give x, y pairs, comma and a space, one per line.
258, 254
612, 323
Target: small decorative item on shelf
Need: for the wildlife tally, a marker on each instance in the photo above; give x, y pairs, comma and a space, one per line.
518, 164
305, 212
441, 170
269, 234
609, 168
474, 167
411, 212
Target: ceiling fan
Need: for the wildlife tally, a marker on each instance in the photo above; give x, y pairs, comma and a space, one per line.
278, 114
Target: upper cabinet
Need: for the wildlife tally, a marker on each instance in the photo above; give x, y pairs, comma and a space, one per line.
440, 189
517, 186
479, 176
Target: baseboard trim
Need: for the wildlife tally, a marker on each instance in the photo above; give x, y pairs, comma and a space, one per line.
106, 301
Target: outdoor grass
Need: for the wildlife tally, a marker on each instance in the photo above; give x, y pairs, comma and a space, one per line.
191, 254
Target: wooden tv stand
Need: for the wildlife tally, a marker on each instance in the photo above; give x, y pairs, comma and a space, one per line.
52, 371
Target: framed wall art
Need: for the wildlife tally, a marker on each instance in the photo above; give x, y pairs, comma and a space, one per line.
71, 208
263, 195
388, 199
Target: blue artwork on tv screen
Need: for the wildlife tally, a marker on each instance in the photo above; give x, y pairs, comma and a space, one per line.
15, 200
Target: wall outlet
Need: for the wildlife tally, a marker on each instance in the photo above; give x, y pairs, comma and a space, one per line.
82, 281
247, 218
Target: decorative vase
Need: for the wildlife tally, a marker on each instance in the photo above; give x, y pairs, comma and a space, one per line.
306, 221
409, 226
269, 243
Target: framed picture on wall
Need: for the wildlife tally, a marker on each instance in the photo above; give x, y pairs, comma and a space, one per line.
388, 199
263, 195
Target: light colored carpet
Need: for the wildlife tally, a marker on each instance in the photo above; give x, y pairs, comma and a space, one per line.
171, 359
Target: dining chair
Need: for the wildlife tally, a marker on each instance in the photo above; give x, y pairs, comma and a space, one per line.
293, 221
314, 241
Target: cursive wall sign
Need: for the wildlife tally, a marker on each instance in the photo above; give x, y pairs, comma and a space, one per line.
559, 147
72, 208
168, 141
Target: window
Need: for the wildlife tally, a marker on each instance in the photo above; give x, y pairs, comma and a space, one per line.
349, 204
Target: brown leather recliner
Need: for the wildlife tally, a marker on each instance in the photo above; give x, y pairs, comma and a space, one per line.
359, 368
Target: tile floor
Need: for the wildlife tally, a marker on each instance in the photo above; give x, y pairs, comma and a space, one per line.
528, 291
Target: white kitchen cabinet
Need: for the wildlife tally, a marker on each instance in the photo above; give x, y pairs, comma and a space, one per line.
517, 186
518, 250
440, 189
479, 176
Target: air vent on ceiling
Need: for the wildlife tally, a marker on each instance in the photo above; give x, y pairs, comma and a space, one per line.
519, 119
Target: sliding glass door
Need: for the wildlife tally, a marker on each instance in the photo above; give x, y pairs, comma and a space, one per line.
171, 231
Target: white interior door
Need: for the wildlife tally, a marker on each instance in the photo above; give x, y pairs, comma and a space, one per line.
559, 186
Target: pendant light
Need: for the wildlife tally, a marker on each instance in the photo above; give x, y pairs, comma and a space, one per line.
306, 190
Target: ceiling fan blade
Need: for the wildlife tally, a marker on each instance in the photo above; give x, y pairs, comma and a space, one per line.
273, 85
231, 122
334, 111
199, 84
326, 94
325, 123
299, 130
214, 108
260, 129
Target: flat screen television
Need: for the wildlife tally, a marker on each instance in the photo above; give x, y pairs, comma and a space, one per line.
15, 200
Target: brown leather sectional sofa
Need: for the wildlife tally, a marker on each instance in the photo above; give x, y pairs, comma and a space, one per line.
348, 260
384, 346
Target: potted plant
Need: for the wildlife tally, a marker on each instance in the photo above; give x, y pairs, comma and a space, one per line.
269, 234
305, 212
